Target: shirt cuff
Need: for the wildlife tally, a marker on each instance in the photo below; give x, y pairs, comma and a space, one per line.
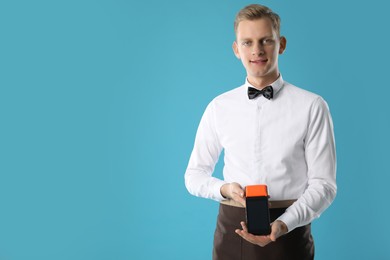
217, 190
289, 220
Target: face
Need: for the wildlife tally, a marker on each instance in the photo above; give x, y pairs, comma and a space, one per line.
258, 46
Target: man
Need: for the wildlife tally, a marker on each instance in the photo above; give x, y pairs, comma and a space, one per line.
272, 133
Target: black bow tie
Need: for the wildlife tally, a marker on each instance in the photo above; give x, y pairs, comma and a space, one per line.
267, 92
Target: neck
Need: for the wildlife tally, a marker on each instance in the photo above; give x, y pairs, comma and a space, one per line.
262, 82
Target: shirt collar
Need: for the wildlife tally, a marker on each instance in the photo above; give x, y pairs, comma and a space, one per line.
276, 85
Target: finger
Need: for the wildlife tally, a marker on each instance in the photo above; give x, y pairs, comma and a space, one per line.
239, 200
238, 193
243, 202
237, 196
236, 188
244, 227
247, 236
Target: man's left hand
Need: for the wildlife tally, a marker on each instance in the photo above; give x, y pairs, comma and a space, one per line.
278, 229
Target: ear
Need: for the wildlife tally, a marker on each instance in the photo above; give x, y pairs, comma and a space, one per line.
282, 44
235, 50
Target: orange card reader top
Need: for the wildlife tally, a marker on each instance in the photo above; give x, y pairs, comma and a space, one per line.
256, 191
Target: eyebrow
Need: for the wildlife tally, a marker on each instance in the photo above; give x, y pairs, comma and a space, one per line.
249, 39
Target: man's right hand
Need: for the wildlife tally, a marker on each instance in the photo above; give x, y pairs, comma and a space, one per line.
233, 191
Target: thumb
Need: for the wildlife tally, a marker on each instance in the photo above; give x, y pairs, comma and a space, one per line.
275, 232
273, 236
278, 229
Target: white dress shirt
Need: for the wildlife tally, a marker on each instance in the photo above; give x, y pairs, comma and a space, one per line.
286, 143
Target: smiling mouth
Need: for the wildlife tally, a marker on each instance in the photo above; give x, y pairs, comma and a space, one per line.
261, 61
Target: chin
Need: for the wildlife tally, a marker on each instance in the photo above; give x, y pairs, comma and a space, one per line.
259, 74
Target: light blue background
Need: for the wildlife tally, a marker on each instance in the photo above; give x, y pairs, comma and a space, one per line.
99, 105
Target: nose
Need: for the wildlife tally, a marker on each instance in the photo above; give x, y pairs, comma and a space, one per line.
258, 49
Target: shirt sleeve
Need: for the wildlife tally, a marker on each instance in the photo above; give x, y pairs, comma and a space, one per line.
320, 155
207, 148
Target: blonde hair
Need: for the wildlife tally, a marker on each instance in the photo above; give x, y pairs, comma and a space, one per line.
256, 11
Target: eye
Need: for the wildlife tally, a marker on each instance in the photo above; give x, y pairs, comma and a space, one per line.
246, 43
268, 41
